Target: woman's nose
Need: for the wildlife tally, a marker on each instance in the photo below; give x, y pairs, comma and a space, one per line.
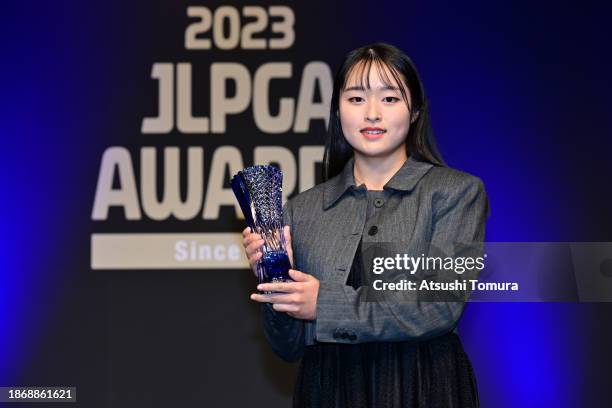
372, 112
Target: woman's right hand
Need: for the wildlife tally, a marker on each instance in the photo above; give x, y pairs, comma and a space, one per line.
252, 243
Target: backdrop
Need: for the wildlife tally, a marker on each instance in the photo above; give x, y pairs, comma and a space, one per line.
121, 270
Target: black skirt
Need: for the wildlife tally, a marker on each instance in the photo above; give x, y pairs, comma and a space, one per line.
430, 374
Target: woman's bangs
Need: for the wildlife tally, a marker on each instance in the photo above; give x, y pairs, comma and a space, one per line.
359, 75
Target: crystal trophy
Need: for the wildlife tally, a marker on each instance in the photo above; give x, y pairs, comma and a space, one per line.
258, 190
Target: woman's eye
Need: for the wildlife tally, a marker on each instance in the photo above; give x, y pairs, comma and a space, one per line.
390, 99
355, 99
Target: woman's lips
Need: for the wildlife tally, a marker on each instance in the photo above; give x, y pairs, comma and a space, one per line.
373, 134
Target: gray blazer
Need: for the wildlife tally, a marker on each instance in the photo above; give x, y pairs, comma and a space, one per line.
423, 202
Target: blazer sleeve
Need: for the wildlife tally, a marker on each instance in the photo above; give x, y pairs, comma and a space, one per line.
284, 333
461, 217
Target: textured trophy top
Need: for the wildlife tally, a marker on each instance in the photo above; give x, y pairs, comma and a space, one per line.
263, 185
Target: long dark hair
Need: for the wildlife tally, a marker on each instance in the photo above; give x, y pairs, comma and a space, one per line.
420, 142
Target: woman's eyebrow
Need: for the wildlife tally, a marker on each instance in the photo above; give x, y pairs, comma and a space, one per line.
380, 88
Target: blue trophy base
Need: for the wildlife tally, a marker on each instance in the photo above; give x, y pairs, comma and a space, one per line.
276, 266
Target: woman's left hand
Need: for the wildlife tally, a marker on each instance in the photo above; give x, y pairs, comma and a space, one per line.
298, 299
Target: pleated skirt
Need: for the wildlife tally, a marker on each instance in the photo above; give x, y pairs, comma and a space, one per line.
430, 374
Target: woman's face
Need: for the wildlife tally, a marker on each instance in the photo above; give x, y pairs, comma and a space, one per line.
375, 121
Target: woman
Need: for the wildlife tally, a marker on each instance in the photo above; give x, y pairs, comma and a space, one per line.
384, 182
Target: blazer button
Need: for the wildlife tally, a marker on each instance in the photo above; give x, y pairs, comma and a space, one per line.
379, 202
339, 333
373, 230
